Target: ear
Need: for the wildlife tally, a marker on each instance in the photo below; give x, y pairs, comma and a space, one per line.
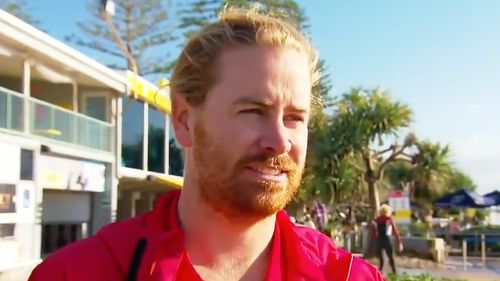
181, 112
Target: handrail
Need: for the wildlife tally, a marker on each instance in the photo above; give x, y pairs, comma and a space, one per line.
55, 107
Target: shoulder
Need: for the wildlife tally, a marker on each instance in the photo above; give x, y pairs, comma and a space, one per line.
90, 257
77, 259
323, 252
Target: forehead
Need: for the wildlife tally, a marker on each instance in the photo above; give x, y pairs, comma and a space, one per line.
273, 73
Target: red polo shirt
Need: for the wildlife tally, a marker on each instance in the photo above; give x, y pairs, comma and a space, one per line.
297, 253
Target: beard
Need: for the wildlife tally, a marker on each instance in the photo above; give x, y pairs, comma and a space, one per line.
222, 186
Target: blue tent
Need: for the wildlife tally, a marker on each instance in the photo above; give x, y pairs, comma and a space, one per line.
464, 199
495, 195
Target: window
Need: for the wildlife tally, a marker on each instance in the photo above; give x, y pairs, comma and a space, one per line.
95, 107
26, 164
7, 194
156, 140
175, 160
132, 133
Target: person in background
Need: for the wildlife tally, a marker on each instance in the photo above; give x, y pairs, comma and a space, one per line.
385, 228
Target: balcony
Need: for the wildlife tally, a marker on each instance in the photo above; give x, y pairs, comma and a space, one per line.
53, 122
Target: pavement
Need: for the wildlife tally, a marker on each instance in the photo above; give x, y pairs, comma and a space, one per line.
453, 268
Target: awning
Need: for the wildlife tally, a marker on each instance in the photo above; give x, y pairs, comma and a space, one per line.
495, 195
464, 199
169, 180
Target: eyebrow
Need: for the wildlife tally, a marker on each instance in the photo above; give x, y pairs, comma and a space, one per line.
265, 103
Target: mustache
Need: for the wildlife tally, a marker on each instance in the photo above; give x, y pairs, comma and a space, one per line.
282, 162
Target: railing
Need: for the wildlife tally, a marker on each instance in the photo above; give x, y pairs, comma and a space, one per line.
49, 121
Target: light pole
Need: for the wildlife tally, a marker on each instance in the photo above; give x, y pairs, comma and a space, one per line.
107, 10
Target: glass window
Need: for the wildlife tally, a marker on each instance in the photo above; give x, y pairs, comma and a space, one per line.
3, 109
26, 164
156, 140
176, 158
95, 107
132, 133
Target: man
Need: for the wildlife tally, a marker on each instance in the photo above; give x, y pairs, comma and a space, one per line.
241, 94
385, 228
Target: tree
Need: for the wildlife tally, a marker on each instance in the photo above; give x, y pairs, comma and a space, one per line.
143, 26
361, 121
426, 175
459, 180
18, 8
195, 15
431, 171
198, 13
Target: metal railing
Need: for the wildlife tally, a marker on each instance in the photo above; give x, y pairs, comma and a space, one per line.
53, 122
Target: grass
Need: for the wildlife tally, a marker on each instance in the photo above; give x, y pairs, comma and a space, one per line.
422, 277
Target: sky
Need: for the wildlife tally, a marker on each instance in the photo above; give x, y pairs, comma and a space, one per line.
442, 58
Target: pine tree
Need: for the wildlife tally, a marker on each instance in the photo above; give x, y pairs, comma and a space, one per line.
18, 8
142, 25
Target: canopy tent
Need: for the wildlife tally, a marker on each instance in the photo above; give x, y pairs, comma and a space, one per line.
464, 199
495, 195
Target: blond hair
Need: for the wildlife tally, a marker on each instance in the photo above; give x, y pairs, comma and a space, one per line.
193, 75
385, 210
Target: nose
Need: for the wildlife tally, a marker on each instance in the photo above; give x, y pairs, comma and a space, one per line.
276, 138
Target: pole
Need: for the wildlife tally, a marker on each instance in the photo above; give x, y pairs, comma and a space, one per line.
483, 249
464, 253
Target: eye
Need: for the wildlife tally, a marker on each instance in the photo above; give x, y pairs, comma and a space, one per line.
294, 118
257, 111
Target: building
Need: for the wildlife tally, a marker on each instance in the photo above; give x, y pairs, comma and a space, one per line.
80, 145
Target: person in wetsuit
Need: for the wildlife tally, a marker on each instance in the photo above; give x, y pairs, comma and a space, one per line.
385, 227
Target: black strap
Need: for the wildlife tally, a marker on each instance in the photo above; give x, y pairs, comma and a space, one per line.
133, 269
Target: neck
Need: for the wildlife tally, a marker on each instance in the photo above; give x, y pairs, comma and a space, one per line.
221, 247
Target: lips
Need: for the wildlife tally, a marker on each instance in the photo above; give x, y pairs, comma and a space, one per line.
268, 171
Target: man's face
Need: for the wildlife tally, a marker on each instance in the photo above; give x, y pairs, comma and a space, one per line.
250, 138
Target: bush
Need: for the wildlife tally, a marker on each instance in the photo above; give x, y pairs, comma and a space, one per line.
418, 229
422, 277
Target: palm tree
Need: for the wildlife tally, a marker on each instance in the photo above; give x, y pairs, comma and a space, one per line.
427, 175
361, 121
431, 171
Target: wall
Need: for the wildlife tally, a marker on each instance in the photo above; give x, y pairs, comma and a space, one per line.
18, 241
11, 83
58, 94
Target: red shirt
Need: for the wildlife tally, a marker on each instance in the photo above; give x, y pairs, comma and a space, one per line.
387, 220
297, 253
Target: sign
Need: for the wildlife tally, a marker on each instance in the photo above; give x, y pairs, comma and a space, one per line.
7, 229
68, 174
149, 93
400, 204
10, 163
7, 198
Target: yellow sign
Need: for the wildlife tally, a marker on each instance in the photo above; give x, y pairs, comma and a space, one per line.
402, 215
149, 93
470, 212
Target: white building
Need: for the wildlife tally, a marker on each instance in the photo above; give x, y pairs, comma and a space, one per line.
62, 142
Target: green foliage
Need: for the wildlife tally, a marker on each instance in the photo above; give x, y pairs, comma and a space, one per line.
366, 117
430, 173
459, 180
20, 9
399, 174
194, 15
432, 170
143, 26
422, 277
